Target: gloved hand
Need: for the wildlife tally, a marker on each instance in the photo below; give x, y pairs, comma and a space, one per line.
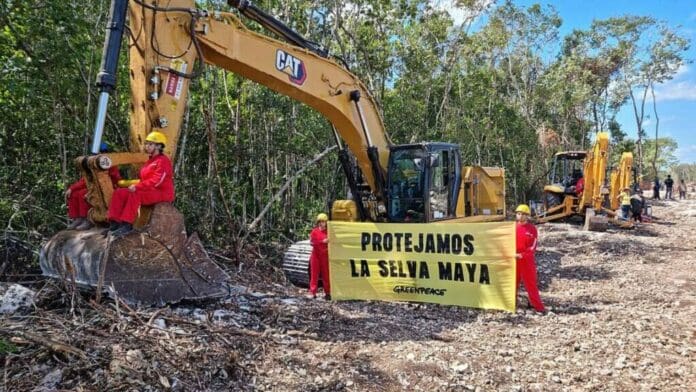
127, 183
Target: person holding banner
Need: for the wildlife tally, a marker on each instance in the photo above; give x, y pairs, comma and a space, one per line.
526, 265
319, 260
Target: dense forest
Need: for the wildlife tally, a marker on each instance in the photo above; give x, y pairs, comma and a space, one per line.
502, 83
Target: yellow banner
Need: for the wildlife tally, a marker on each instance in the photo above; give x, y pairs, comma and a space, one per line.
465, 264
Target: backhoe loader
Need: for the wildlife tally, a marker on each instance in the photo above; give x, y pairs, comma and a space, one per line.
158, 263
577, 185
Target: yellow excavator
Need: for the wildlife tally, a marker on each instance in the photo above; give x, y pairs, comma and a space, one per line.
577, 185
158, 263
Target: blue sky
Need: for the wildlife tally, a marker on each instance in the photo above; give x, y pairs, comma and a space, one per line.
676, 99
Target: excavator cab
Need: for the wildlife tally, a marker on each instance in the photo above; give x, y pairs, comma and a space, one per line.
423, 182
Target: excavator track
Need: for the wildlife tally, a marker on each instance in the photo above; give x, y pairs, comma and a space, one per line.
296, 263
153, 266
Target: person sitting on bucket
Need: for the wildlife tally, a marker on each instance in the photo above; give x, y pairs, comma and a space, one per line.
76, 194
156, 185
526, 243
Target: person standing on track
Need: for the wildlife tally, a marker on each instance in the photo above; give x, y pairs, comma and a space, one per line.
319, 260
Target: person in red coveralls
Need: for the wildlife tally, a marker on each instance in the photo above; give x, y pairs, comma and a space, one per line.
526, 266
76, 197
319, 260
580, 186
156, 185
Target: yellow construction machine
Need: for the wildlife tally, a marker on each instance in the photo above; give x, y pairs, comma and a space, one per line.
576, 185
621, 177
158, 263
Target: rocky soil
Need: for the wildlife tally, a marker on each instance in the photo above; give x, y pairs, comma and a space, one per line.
622, 318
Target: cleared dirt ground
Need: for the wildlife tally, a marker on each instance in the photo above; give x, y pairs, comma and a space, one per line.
622, 318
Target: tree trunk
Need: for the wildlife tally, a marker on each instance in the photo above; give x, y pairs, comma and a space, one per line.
657, 126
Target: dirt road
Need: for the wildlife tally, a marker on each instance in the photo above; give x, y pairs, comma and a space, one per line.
622, 318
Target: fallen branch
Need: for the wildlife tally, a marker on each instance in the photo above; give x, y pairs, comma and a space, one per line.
284, 188
52, 345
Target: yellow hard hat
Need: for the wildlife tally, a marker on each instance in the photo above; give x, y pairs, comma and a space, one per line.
156, 137
322, 217
523, 208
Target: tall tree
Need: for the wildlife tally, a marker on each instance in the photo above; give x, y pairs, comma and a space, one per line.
652, 54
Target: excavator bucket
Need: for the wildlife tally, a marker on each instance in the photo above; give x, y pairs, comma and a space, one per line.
156, 265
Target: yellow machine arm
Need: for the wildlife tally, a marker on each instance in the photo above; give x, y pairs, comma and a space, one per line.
621, 177
594, 172
165, 43
172, 38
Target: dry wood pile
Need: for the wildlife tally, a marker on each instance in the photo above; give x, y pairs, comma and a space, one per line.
623, 317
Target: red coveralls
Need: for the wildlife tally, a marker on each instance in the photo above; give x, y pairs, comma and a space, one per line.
580, 186
319, 261
156, 185
526, 266
77, 204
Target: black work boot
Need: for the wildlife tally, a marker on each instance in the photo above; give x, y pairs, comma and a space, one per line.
123, 230
76, 223
85, 225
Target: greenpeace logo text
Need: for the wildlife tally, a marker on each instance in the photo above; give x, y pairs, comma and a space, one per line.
419, 290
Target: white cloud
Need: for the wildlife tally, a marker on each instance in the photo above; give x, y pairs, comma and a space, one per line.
681, 71
458, 13
687, 154
676, 90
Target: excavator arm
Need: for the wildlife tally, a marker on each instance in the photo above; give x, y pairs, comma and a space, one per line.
166, 42
621, 177
594, 171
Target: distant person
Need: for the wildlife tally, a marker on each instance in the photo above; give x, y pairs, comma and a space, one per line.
682, 190
669, 183
625, 200
526, 244
76, 197
637, 206
319, 260
156, 185
656, 189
